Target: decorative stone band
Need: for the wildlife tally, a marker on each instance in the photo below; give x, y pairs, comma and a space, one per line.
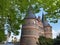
30, 27
22, 44
48, 26
30, 32
48, 32
30, 36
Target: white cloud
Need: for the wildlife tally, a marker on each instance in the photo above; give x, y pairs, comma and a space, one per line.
55, 33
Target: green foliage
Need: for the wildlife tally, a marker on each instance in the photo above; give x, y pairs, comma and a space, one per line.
45, 41
57, 40
2, 36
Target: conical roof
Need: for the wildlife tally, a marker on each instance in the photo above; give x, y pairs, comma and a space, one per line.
44, 21
30, 13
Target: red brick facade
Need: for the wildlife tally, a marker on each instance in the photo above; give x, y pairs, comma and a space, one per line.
32, 29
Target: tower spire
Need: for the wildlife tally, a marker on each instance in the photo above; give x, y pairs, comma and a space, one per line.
30, 13
44, 20
42, 17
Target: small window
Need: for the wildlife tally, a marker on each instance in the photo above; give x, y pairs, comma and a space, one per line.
34, 22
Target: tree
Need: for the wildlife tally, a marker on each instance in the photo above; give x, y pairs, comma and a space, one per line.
15, 10
2, 36
57, 40
51, 6
45, 41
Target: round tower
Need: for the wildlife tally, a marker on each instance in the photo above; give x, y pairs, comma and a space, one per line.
47, 27
29, 35
48, 30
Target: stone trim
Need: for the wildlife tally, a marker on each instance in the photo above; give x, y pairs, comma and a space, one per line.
30, 27
30, 36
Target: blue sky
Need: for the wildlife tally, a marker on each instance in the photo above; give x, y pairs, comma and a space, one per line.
55, 26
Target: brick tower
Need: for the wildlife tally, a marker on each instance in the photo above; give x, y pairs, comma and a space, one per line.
47, 28
29, 30
33, 28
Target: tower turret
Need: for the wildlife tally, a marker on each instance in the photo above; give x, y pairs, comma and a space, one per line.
29, 30
47, 28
